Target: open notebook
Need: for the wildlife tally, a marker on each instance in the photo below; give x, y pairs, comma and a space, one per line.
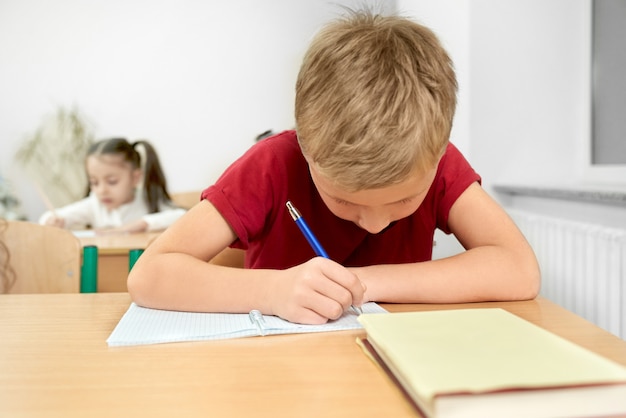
141, 326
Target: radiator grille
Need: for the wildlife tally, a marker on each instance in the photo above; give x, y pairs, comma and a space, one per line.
583, 267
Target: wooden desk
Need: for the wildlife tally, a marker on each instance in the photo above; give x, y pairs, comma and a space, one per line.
54, 362
113, 257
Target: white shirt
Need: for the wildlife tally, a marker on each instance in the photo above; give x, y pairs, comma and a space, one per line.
90, 212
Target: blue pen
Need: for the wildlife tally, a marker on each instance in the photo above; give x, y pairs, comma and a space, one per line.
313, 242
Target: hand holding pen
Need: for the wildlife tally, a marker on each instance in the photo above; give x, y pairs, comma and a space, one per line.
54, 219
310, 237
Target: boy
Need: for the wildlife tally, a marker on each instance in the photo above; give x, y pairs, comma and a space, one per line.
371, 170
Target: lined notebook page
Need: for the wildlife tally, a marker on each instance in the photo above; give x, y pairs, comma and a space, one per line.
141, 326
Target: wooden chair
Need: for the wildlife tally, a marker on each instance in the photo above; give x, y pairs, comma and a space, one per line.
43, 259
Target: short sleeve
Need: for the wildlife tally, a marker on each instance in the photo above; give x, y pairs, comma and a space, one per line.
454, 176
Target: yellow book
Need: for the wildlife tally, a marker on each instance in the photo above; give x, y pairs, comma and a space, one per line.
491, 363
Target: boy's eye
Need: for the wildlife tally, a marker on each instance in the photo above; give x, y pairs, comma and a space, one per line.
342, 202
400, 202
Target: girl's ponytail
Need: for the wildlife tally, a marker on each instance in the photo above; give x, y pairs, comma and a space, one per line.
154, 182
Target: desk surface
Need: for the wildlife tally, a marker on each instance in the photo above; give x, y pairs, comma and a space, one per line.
54, 362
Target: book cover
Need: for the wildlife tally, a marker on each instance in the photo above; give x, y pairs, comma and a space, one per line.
491, 363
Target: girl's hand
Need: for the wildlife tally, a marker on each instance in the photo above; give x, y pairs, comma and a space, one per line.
55, 221
129, 228
316, 292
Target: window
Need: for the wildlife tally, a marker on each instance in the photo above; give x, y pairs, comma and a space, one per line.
606, 153
608, 73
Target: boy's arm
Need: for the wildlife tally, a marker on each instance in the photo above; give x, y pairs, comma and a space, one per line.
499, 264
174, 273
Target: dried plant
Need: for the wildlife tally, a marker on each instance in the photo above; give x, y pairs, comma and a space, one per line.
54, 156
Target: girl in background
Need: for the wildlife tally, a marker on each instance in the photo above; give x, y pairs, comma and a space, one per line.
127, 191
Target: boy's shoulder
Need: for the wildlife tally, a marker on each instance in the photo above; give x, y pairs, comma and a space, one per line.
452, 156
283, 145
286, 136
277, 153
454, 169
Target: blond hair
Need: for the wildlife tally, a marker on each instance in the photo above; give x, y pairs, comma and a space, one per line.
375, 99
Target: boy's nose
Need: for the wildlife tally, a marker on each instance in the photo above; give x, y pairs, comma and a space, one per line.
373, 223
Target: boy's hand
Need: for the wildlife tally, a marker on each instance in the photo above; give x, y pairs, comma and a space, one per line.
316, 292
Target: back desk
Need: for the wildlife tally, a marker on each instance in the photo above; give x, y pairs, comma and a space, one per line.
54, 362
113, 257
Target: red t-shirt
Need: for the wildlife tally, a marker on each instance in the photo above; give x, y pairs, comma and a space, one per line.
252, 192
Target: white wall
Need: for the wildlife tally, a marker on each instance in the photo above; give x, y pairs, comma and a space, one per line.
530, 90
200, 79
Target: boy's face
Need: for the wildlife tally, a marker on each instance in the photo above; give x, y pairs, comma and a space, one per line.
374, 209
112, 180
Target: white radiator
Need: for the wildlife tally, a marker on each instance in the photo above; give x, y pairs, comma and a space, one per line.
583, 267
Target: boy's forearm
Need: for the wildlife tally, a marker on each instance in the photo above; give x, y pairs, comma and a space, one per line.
183, 283
480, 274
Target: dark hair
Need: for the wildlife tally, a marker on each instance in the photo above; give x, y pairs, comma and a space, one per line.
154, 182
